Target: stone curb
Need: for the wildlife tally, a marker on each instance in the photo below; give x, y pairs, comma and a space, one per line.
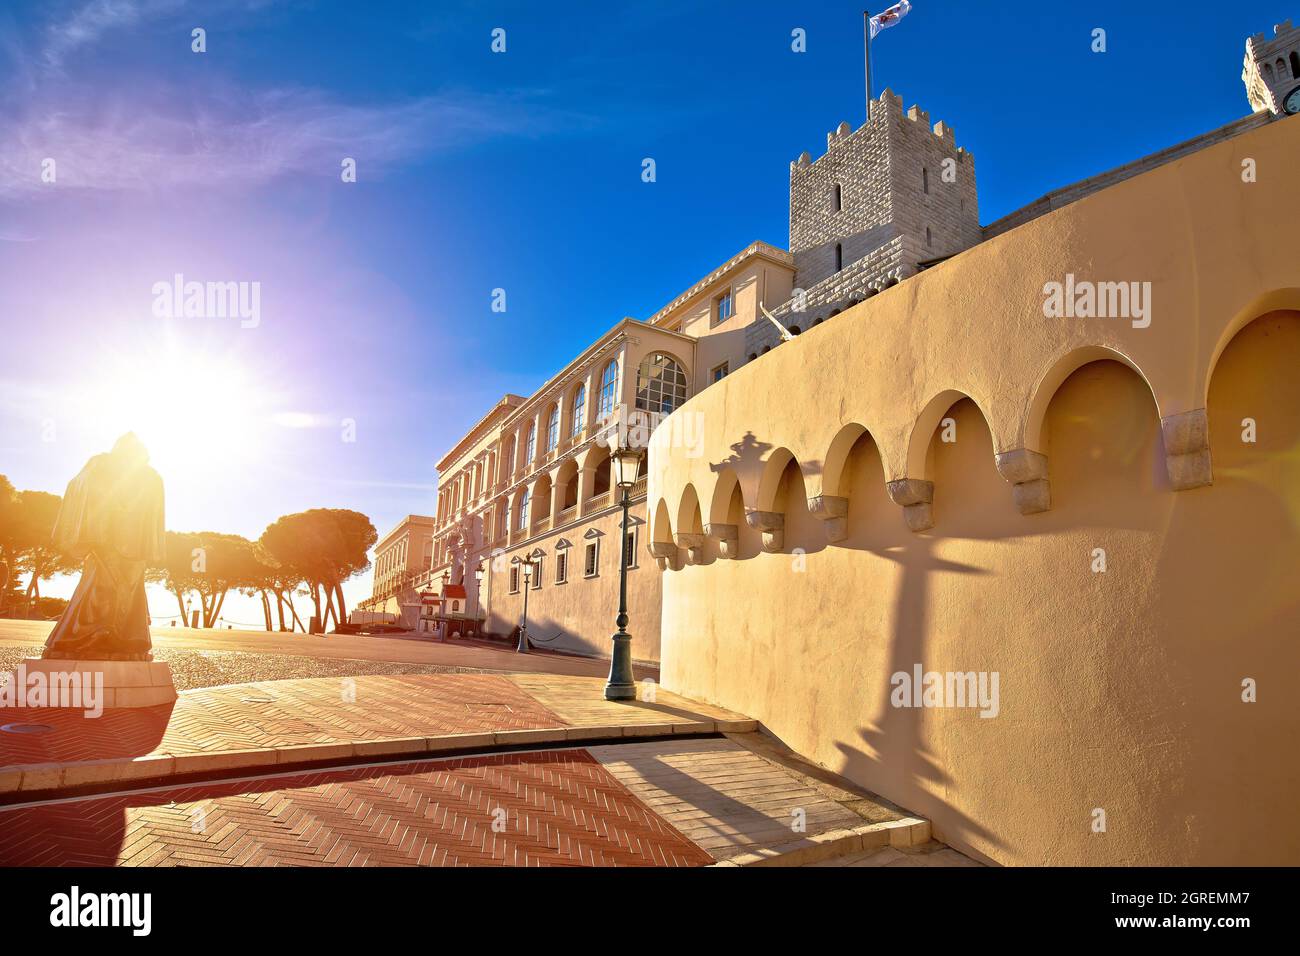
48, 780
909, 831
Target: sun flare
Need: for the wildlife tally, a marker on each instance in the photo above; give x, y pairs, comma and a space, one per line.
202, 417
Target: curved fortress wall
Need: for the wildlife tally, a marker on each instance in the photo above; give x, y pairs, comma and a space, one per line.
944, 478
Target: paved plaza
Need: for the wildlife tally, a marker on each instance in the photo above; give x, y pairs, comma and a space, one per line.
469, 763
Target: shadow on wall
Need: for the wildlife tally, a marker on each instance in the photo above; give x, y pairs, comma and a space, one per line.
1128, 697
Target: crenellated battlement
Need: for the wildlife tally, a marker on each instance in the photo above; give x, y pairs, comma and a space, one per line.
884, 198
888, 107
1280, 31
1271, 69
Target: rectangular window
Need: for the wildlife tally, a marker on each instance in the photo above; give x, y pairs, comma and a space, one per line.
514, 579
719, 373
722, 308
561, 567
629, 545
537, 575
593, 550
837, 200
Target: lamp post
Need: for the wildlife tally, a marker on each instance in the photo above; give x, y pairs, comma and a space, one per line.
621, 684
478, 589
446, 623
523, 624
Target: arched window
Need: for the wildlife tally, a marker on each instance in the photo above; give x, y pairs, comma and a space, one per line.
837, 199
839, 257
1268, 72
522, 523
553, 429
660, 384
508, 459
530, 447
1281, 68
1295, 64
608, 390
579, 410
925, 179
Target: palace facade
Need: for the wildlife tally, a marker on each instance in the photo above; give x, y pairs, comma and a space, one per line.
916, 465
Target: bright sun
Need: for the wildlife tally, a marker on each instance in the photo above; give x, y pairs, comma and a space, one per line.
200, 415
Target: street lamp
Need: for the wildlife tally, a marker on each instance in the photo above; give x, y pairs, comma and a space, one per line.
445, 624
523, 624
621, 684
478, 590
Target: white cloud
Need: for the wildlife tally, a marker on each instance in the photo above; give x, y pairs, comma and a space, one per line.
245, 138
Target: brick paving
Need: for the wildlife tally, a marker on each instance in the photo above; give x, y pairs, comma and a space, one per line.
263, 647
551, 808
275, 714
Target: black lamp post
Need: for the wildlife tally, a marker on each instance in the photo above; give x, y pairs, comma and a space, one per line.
621, 684
446, 622
478, 592
523, 624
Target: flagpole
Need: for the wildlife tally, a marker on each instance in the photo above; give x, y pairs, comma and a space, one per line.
866, 44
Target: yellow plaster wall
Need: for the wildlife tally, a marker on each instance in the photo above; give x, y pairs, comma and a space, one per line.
1119, 691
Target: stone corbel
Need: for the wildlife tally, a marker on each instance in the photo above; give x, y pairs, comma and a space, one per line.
1027, 472
772, 524
916, 498
1187, 449
664, 553
728, 536
833, 511
693, 542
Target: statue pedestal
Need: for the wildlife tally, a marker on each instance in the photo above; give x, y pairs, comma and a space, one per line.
126, 684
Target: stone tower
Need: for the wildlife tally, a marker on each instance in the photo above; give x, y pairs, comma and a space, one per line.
881, 201
1271, 70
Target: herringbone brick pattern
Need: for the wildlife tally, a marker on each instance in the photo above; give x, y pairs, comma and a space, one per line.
281, 714
552, 808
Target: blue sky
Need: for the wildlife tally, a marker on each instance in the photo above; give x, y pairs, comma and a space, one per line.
475, 171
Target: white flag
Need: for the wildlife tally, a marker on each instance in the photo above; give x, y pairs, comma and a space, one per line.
890, 17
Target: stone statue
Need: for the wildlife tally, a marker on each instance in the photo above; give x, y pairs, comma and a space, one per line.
112, 517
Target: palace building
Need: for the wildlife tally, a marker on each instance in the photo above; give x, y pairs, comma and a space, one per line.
915, 466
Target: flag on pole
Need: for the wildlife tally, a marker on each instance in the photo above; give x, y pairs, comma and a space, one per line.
890, 17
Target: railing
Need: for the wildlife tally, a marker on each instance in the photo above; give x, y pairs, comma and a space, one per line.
567, 515
542, 525
598, 501
638, 487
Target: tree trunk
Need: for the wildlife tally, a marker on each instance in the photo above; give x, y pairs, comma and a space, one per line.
294, 611
342, 607
266, 609
219, 603
279, 607
180, 603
